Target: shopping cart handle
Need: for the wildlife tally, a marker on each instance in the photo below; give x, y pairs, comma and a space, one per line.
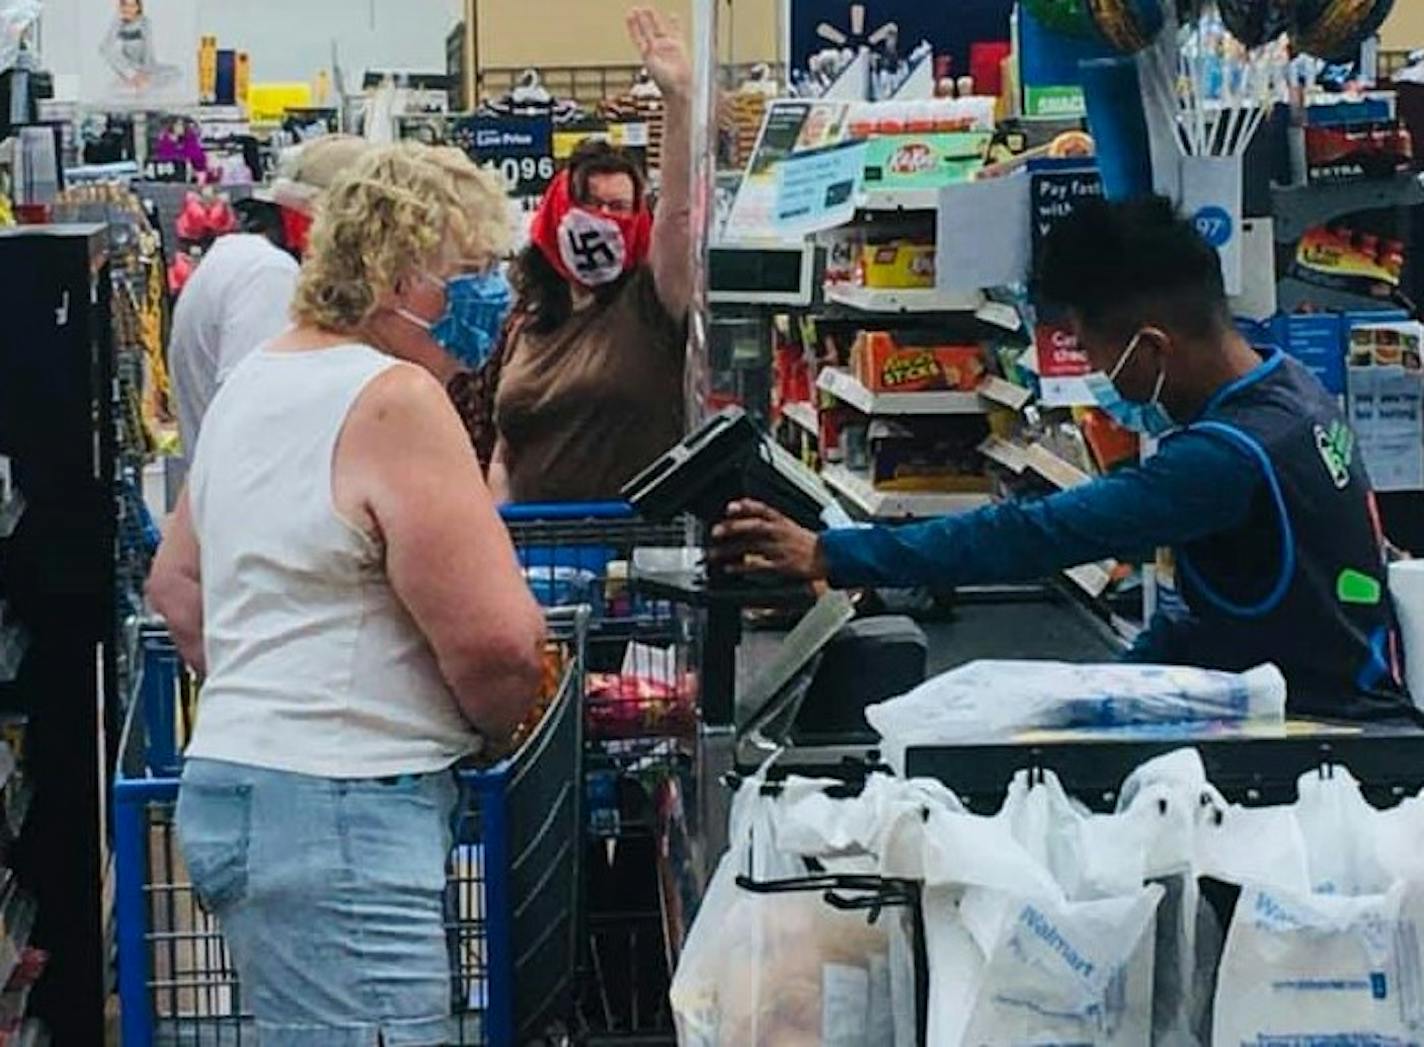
528, 512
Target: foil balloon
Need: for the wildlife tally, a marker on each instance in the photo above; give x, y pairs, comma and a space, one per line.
1331, 29
1256, 22
1127, 26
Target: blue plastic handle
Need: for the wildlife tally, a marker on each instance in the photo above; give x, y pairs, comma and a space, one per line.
536, 511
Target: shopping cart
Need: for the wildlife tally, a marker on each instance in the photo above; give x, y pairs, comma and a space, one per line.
640, 724
513, 875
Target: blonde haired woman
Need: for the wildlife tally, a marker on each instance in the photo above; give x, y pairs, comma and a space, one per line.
338, 570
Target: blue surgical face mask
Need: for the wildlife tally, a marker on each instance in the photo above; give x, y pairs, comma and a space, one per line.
476, 305
1149, 419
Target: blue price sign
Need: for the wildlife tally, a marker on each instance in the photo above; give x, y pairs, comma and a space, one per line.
1215, 226
519, 148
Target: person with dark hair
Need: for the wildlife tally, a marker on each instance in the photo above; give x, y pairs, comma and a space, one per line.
1255, 485
587, 388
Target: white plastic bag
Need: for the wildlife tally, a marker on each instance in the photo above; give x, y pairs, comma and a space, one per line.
1324, 940
1067, 972
1100, 863
918, 830
988, 699
1340, 830
1012, 957
763, 970
1323, 969
1187, 939
1037, 921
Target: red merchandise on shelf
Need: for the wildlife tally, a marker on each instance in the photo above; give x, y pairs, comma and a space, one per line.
883, 365
1110, 443
633, 706
986, 66
1380, 150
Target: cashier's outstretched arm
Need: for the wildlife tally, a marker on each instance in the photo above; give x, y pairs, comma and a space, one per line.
1195, 486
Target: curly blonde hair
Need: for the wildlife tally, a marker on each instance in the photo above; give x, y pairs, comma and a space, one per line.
397, 211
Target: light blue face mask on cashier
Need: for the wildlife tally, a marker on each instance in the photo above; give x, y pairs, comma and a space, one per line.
1149, 419
476, 305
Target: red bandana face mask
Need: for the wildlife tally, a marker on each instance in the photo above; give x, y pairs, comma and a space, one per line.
592, 248
296, 229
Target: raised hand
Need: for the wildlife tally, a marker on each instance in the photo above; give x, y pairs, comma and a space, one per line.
659, 42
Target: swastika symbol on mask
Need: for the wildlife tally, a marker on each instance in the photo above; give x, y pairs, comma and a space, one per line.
591, 250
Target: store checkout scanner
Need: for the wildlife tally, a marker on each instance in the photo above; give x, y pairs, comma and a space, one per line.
726, 459
832, 665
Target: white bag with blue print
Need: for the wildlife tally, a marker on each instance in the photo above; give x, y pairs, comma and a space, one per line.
1324, 945
1320, 968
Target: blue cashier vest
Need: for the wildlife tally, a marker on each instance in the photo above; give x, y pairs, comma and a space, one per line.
1304, 582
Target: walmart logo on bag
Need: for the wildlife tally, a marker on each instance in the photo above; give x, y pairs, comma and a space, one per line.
1044, 929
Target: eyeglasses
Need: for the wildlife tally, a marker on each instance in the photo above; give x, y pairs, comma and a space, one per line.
618, 206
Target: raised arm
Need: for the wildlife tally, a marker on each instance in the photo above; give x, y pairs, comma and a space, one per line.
659, 41
405, 456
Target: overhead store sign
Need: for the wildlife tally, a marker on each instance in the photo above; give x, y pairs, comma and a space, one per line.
519, 148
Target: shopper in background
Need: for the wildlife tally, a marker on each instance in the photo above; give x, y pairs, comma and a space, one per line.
338, 569
241, 293
1256, 484
588, 388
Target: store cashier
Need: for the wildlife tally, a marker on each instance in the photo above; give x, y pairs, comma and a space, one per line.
1256, 484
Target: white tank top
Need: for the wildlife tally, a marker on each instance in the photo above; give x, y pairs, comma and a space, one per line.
314, 664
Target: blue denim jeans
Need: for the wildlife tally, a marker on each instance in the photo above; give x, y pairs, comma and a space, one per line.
330, 893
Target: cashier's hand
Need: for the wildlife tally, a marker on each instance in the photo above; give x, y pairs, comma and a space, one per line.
754, 537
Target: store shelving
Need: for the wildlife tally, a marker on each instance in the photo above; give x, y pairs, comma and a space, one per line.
845, 387
897, 505
1056, 470
60, 422
1292, 293
10, 514
904, 300
803, 416
1007, 453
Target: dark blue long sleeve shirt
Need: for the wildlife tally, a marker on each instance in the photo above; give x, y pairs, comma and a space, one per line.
1196, 485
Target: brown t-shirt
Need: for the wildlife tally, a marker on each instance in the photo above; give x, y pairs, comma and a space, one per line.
584, 409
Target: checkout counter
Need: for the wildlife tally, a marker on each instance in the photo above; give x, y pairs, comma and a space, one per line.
812, 719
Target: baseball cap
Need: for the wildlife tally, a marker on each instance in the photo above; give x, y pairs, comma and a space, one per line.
305, 171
